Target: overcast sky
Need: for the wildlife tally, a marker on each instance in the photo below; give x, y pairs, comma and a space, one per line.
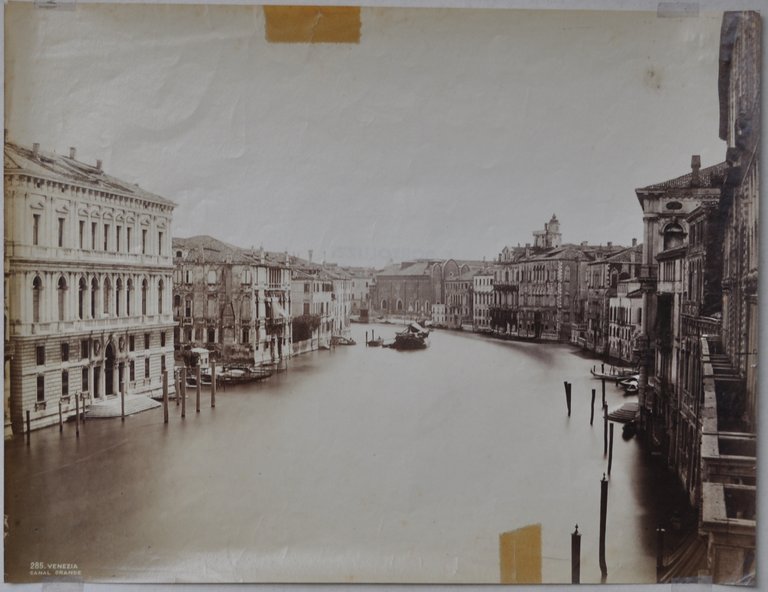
444, 133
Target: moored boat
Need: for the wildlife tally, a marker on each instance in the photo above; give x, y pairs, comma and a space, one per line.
414, 336
614, 373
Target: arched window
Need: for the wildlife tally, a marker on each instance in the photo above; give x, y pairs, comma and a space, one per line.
384, 305
160, 287
144, 289
177, 300
128, 296
94, 296
107, 296
61, 295
674, 236
118, 296
81, 292
37, 288
399, 304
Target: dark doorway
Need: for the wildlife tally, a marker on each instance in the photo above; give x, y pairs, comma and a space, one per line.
96, 382
109, 370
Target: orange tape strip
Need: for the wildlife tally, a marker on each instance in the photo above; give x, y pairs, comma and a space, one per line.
312, 24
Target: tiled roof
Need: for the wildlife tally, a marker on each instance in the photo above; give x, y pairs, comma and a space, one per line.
214, 250
622, 256
411, 268
708, 178
56, 167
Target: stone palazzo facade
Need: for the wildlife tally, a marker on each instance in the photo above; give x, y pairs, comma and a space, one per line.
88, 283
234, 302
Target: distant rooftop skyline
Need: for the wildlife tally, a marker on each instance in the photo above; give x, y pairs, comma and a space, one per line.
444, 133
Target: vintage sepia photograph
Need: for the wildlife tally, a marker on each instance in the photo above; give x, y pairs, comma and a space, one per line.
364, 294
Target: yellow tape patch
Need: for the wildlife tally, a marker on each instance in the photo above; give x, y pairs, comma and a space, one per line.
520, 555
312, 24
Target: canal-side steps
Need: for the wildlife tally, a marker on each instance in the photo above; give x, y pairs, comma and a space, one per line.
112, 407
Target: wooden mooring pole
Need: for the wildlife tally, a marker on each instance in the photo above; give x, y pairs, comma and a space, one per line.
182, 385
575, 556
184, 403
77, 416
61, 419
29, 425
659, 551
605, 429
122, 401
568, 396
602, 381
199, 386
213, 385
603, 517
592, 412
199, 380
165, 396
610, 448
82, 406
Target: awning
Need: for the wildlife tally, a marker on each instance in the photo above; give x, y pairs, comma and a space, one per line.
626, 413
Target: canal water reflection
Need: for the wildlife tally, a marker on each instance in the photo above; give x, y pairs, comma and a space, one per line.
357, 464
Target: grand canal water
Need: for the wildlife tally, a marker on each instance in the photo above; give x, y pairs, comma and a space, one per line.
357, 464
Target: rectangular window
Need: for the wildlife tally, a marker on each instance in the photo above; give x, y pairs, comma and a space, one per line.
143, 241
41, 389
61, 232
82, 234
146, 367
84, 385
162, 339
117, 238
306, 308
35, 229
65, 384
106, 237
159, 243
132, 371
146, 340
128, 238
65, 352
162, 365
84, 349
131, 343
94, 228
246, 335
40, 355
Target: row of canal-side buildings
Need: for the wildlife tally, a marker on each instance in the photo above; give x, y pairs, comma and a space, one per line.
681, 307
698, 344
99, 298
546, 290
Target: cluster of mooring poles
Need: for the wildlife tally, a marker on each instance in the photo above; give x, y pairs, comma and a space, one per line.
607, 451
181, 390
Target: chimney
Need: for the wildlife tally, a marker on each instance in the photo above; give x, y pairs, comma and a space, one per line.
609, 244
98, 165
695, 166
310, 255
36, 149
634, 242
72, 152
